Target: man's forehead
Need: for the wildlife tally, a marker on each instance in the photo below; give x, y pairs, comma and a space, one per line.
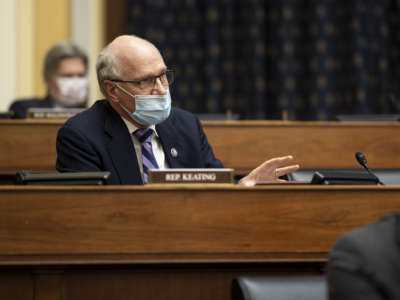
143, 69
137, 58
70, 65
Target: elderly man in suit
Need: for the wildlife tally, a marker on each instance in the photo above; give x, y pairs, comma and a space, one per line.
135, 128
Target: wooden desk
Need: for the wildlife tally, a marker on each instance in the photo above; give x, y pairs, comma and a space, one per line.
242, 145
28, 145
171, 242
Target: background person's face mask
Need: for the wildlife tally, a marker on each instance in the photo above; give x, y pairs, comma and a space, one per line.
72, 91
150, 109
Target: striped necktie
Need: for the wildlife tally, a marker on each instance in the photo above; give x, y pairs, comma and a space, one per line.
149, 161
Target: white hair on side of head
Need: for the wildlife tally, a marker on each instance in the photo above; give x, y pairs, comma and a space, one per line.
107, 67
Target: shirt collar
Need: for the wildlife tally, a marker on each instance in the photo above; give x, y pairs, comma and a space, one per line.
132, 128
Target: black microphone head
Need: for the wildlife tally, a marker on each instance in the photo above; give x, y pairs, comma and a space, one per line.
362, 160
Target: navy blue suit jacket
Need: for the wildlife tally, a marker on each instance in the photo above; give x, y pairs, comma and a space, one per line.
98, 140
20, 107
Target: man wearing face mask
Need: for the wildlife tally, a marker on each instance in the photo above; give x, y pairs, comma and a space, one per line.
135, 128
64, 72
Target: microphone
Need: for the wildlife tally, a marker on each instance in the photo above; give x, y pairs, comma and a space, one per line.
362, 160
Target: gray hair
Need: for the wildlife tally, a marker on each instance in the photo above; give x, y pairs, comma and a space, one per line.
107, 67
61, 50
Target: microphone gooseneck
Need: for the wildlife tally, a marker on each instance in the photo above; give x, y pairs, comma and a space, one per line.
362, 160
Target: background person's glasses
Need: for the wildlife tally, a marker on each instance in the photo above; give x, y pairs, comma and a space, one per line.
166, 79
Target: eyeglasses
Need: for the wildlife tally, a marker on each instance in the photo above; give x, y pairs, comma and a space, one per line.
166, 79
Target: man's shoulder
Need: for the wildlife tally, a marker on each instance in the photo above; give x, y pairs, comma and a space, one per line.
179, 112
377, 239
89, 118
181, 115
20, 106
381, 229
95, 111
30, 102
25, 101
181, 120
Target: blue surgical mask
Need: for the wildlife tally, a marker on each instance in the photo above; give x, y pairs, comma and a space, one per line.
150, 109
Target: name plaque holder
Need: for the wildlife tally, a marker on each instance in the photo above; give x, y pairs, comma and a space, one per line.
190, 176
52, 113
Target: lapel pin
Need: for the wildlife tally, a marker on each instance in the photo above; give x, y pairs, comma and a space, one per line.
174, 153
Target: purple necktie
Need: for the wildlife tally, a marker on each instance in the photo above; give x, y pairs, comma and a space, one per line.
149, 161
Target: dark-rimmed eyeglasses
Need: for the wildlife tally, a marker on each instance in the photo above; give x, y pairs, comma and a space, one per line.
166, 79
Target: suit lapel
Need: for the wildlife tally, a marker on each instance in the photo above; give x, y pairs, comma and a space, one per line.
121, 150
173, 149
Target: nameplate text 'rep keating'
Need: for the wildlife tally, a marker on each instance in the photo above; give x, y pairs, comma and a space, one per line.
191, 176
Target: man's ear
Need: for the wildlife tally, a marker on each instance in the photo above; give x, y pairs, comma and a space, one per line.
111, 90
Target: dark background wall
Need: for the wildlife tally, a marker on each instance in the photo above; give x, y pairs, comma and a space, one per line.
309, 59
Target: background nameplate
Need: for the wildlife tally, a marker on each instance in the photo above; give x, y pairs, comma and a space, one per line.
52, 113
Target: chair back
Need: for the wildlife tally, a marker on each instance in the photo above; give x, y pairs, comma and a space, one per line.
306, 287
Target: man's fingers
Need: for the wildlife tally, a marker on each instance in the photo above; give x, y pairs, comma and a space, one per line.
276, 162
285, 170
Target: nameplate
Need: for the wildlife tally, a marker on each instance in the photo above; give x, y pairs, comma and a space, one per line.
190, 176
52, 113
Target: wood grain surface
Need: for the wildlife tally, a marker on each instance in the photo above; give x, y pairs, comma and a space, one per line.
241, 145
173, 242
175, 223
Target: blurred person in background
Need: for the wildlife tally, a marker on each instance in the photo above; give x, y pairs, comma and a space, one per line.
64, 72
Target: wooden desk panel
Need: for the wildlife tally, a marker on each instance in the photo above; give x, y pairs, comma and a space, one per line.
171, 242
242, 145
28, 145
192, 223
